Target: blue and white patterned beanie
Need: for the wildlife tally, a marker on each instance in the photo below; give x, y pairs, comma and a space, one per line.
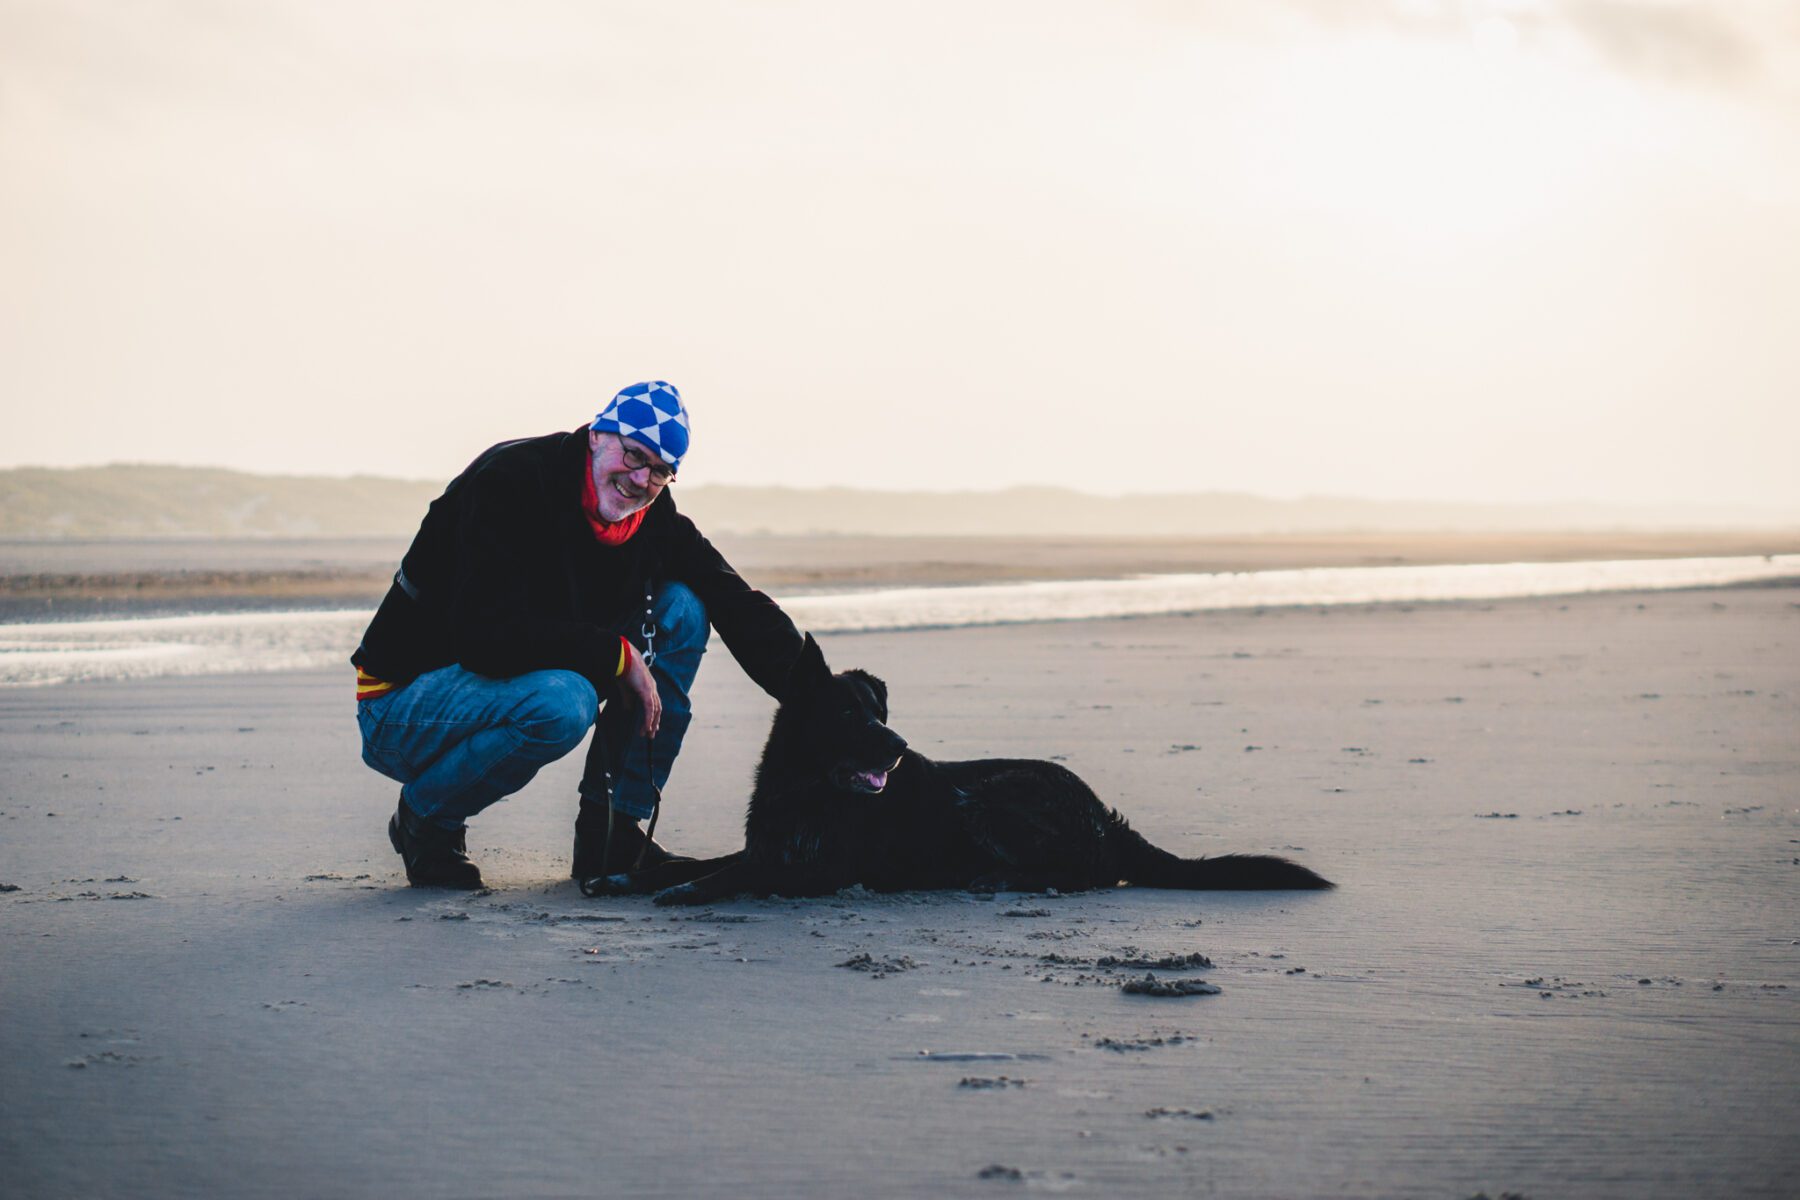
651, 413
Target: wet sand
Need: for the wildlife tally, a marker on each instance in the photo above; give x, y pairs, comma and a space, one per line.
1563, 959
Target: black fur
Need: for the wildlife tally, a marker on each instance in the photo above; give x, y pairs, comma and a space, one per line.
818, 820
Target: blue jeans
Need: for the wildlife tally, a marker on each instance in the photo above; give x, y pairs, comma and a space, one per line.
459, 741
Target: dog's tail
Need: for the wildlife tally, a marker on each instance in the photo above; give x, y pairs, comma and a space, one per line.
1146, 865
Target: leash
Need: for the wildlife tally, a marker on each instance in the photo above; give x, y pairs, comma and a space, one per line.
655, 812
648, 629
655, 803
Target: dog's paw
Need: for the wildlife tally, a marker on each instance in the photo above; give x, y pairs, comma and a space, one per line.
607, 885
681, 893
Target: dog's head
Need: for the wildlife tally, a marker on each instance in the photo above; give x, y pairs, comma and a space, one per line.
841, 720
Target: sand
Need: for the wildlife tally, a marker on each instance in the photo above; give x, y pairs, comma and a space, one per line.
1564, 958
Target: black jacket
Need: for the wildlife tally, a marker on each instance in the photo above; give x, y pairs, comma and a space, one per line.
505, 576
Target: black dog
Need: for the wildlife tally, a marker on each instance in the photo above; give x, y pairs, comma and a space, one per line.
840, 800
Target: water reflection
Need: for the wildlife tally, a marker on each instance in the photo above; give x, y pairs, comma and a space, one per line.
128, 648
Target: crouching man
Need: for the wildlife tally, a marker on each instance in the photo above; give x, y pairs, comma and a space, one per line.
551, 589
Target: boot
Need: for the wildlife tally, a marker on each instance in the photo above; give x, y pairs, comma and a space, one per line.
434, 856
595, 856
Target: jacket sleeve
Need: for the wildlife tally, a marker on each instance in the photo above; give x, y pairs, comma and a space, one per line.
759, 635
506, 555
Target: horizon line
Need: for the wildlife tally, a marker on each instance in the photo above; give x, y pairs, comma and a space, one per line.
1790, 510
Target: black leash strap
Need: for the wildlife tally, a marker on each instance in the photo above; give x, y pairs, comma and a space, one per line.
655, 802
649, 632
649, 834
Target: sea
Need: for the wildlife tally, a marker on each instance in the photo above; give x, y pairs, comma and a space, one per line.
37, 654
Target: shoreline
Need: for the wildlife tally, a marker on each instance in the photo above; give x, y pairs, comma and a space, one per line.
270, 636
141, 646
50, 581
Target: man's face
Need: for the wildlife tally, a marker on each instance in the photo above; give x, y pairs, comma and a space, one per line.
621, 488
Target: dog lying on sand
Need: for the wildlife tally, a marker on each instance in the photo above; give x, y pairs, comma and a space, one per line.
840, 800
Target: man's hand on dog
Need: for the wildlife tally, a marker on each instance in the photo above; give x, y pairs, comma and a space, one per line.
640, 683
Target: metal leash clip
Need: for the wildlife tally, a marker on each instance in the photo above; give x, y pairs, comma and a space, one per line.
648, 630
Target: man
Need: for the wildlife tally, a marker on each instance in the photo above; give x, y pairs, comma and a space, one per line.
551, 581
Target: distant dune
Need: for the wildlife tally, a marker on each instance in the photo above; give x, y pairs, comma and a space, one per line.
161, 501
154, 501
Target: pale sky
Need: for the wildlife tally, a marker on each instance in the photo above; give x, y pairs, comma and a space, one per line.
1487, 250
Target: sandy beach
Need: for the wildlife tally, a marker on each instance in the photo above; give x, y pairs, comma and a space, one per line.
1563, 958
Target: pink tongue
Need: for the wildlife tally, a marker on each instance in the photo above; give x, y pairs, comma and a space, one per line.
875, 779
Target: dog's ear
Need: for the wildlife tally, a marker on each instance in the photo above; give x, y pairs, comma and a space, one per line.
879, 689
807, 675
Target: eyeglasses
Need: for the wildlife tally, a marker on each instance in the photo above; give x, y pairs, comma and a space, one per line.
661, 474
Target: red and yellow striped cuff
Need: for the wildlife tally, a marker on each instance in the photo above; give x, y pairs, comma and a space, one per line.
624, 656
368, 687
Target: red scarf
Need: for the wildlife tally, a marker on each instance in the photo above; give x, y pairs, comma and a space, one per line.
611, 533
